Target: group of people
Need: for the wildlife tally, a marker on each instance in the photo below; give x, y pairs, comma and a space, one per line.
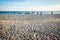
41, 12
33, 12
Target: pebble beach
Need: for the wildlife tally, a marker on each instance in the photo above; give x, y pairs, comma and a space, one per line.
29, 27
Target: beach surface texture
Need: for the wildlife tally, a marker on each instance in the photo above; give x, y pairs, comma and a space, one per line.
29, 27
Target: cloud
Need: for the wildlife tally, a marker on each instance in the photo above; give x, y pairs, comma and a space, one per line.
32, 8
44, 2
31, 5
33, 2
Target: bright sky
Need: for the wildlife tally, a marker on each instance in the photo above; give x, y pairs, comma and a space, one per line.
29, 5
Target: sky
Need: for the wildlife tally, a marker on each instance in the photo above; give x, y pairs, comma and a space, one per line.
29, 5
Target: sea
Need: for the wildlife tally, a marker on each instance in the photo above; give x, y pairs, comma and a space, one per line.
29, 12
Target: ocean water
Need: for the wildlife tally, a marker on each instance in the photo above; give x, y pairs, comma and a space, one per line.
12, 12
29, 12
